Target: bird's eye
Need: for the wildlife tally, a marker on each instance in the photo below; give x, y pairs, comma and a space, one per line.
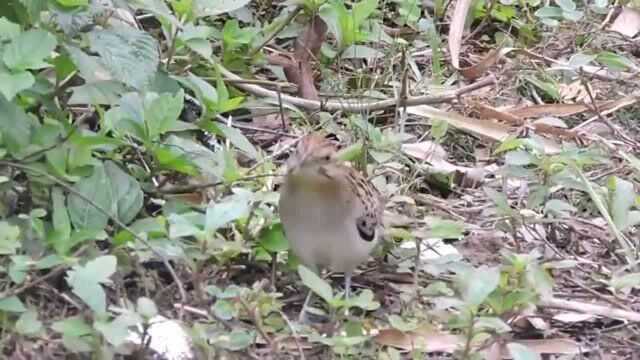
327, 158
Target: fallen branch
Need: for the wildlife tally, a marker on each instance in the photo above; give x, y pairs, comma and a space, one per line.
586, 308
356, 106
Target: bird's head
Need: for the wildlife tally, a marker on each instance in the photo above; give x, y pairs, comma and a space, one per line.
312, 151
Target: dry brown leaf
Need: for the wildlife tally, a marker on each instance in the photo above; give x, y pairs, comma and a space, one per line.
488, 112
456, 29
548, 110
429, 341
573, 317
486, 129
627, 23
551, 346
477, 70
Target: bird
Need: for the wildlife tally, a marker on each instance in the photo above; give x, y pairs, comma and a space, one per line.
330, 213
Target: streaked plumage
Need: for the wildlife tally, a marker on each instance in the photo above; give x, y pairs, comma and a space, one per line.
331, 214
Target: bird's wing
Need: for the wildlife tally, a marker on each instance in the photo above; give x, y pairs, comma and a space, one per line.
370, 205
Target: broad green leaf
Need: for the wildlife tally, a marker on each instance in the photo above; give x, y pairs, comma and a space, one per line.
444, 229
235, 340
105, 92
362, 10
11, 304
495, 324
72, 326
117, 331
12, 84
130, 55
161, 113
29, 49
217, 7
237, 138
521, 352
146, 307
8, 29
518, 158
615, 61
60, 217
273, 239
549, 12
89, 66
224, 309
476, 285
622, 199
625, 281
315, 283
559, 208
120, 196
229, 209
85, 281
15, 127
73, 3
9, 238
28, 323
566, 4
540, 279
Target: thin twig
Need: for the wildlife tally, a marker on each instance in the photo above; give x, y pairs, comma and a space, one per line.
51, 274
294, 333
165, 261
197, 187
358, 106
593, 309
276, 31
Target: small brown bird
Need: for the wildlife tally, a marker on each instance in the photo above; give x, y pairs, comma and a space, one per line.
331, 214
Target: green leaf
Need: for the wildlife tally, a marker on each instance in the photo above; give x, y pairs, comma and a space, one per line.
625, 281
29, 49
518, 158
161, 112
237, 138
217, 7
444, 229
130, 55
146, 307
85, 281
362, 10
315, 283
9, 238
229, 209
549, 12
119, 195
235, 340
28, 323
73, 3
15, 127
559, 208
72, 326
224, 309
521, 352
566, 4
12, 84
615, 61
117, 331
622, 199
12, 304
60, 216
8, 29
477, 284
273, 239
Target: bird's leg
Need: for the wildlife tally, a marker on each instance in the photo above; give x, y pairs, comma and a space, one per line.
347, 285
347, 289
302, 318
